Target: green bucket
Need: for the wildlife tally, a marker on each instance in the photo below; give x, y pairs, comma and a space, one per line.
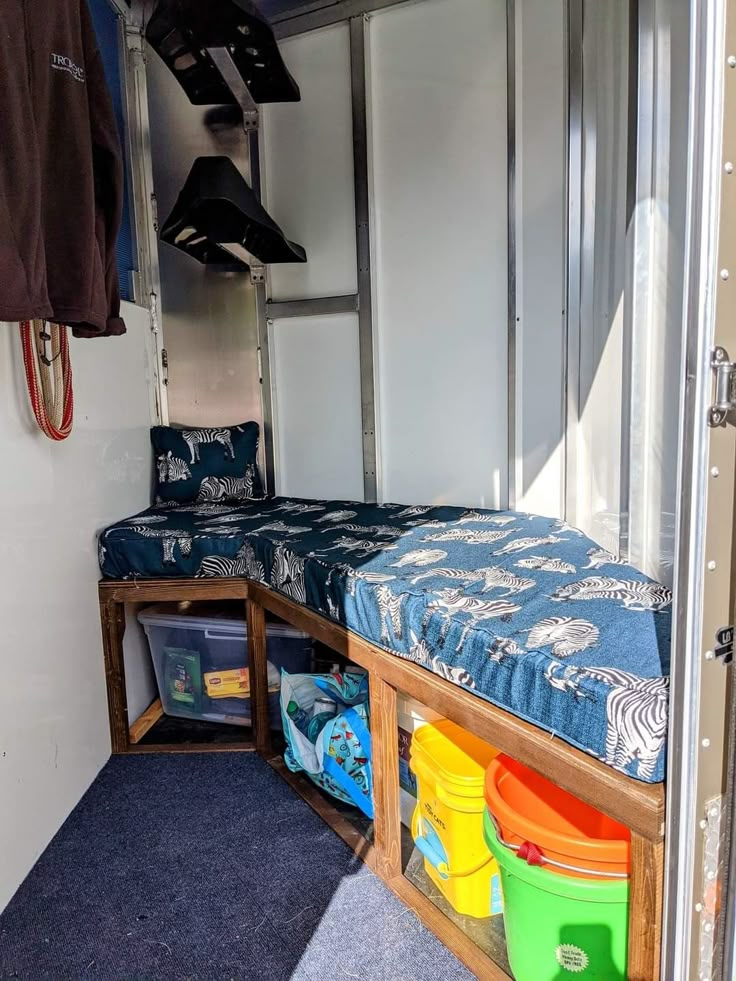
559, 926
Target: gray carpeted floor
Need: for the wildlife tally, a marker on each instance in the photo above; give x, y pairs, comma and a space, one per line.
207, 866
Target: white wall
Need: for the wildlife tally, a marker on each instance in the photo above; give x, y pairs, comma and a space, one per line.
309, 190
438, 155
316, 400
308, 168
54, 733
436, 88
595, 486
541, 217
657, 341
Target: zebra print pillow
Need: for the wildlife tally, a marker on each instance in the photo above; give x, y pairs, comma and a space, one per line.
206, 465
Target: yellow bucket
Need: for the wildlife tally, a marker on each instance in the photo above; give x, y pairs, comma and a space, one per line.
450, 765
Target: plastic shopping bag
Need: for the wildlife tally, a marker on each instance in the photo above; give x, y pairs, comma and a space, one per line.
334, 751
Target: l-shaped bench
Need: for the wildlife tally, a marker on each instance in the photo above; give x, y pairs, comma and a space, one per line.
638, 805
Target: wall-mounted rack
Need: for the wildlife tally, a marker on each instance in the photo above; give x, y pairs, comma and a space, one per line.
182, 31
218, 220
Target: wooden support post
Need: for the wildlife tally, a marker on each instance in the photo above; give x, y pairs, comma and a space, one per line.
112, 617
143, 723
258, 671
385, 759
645, 908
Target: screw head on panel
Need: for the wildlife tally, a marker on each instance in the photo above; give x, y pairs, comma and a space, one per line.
705, 743
732, 61
728, 167
715, 472
709, 655
711, 566
724, 274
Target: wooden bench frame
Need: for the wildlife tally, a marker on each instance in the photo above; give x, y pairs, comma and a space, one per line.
637, 805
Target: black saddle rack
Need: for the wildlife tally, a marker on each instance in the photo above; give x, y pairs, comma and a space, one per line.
181, 31
218, 220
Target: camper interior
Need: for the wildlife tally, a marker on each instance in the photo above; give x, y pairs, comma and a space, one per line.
408, 494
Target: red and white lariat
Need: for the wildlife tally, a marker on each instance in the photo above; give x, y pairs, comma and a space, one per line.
49, 379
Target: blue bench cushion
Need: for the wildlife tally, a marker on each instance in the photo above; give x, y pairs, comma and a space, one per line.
524, 611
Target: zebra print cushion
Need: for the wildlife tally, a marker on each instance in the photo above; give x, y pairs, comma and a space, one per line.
523, 610
206, 465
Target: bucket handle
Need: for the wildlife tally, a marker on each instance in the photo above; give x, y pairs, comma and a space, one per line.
533, 855
434, 857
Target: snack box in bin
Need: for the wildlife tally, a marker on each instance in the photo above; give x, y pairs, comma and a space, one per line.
200, 657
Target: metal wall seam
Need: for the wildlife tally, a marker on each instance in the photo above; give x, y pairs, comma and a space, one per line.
515, 471
571, 404
148, 279
363, 233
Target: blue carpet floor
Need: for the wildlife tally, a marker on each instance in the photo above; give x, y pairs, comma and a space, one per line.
208, 866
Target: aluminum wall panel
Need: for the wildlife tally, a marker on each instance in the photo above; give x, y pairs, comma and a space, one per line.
541, 215
658, 259
308, 168
316, 396
209, 317
438, 155
595, 425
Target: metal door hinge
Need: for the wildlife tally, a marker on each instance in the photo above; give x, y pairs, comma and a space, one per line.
713, 829
154, 211
165, 365
724, 402
153, 312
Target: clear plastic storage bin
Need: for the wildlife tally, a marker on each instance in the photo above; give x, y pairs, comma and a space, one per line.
187, 647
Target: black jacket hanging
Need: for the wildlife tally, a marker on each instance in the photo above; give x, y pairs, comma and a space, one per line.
61, 177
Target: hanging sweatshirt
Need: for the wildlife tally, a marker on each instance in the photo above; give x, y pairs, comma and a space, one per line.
61, 177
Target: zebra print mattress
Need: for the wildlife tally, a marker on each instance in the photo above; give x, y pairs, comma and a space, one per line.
522, 610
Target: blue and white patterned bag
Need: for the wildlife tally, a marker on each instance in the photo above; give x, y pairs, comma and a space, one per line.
338, 757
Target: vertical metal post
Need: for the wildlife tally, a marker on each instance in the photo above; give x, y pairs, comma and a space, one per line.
635, 166
639, 244
264, 361
258, 273
705, 521
574, 250
363, 237
148, 280
514, 464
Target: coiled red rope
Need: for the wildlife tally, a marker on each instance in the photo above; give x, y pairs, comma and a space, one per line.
49, 380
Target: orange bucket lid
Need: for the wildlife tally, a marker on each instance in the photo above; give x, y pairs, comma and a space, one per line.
530, 808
